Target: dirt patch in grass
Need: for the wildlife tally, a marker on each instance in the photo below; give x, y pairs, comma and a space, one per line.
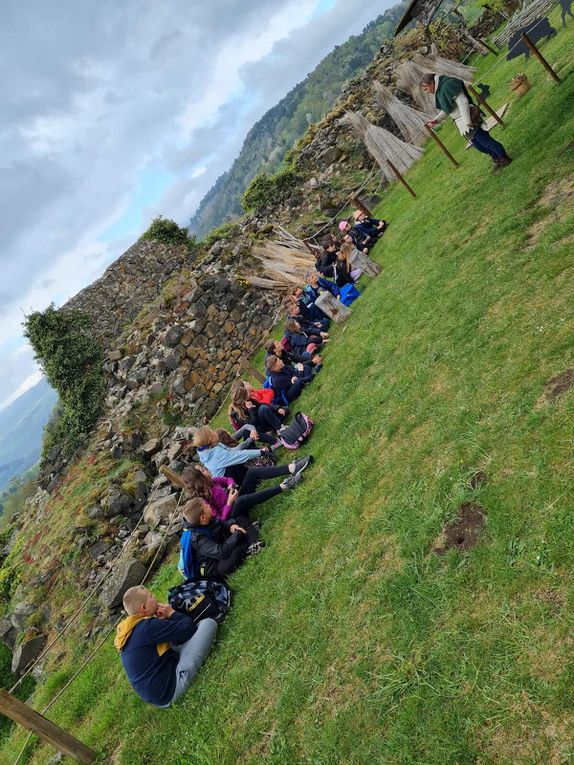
462, 533
556, 197
556, 386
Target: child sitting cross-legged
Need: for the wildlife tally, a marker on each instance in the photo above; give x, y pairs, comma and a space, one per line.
286, 381
214, 548
158, 670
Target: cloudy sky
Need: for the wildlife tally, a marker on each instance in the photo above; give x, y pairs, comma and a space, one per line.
113, 112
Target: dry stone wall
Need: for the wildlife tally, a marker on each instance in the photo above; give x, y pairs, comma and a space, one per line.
131, 281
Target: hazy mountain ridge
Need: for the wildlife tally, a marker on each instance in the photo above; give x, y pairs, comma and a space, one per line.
21, 427
275, 133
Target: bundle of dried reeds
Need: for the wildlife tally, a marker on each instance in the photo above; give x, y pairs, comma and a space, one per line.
382, 145
409, 121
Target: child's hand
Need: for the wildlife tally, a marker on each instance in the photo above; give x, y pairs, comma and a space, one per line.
164, 611
235, 527
232, 496
294, 379
282, 411
324, 334
300, 367
254, 434
249, 404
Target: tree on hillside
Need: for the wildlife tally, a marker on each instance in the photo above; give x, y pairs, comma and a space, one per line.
72, 360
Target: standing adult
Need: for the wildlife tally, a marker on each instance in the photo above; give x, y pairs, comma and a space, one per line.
453, 100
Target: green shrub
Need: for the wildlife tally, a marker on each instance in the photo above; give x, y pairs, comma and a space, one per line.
72, 362
266, 191
167, 231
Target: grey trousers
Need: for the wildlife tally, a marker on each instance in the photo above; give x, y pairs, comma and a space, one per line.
192, 654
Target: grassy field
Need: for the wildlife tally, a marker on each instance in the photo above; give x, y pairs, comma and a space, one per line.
351, 641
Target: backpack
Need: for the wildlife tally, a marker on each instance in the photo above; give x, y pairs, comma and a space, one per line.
349, 294
297, 432
201, 599
280, 397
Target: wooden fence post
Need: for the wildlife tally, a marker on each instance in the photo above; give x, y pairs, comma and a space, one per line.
437, 140
401, 179
482, 41
308, 246
488, 108
357, 202
536, 53
246, 364
48, 731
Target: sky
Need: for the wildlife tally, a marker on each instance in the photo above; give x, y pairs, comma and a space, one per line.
115, 112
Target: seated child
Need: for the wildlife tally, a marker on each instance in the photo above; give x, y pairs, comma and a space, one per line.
325, 260
319, 326
372, 227
261, 395
296, 339
222, 460
227, 500
343, 272
265, 418
158, 671
301, 360
285, 380
214, 548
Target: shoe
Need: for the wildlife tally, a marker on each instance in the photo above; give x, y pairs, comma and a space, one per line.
291, 482
254, 548
302, 464
501, 162
256, 525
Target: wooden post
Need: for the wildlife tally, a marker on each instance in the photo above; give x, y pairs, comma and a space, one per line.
246, 364
488, 108
27, 717
308, 246
172, 476
482, 41
437, 140
357, 202
541, 58
401, 179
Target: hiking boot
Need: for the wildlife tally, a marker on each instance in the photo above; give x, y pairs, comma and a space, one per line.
501, 162
302, 464
291, 482
254, 548
256, 525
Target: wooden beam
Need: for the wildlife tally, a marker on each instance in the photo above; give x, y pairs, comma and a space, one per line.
488, 108
437, 140
357, 202
536, 53
46, 730
172, 476
246, 364
401, 178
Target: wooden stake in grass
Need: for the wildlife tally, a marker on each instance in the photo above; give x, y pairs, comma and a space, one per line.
443, 148
246, 364
61, 740
488, 108
536, 53
356, 201
401, 179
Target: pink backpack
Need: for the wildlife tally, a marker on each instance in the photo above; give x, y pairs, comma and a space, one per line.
296, 432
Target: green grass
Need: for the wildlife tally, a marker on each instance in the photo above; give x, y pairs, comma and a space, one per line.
350, 641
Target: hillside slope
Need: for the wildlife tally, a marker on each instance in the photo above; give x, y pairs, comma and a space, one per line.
273, 135
351, 639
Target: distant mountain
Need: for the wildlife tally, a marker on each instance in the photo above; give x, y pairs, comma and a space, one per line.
21, 427
275, 133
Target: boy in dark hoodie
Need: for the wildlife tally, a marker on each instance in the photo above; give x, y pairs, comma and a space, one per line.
286, 381
158, 671
214, 548
325, 260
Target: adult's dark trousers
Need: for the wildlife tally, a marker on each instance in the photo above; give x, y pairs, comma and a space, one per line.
484, 142
226, 566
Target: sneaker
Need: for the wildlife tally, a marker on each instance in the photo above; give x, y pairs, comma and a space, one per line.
254, 548
256, 525
291, 482
303, 463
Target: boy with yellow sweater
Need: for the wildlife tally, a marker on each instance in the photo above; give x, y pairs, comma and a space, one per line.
159, 671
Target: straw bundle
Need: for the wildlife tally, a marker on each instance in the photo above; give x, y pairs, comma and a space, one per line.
409, 121
382, 145
284, 266
440, 65
408, 79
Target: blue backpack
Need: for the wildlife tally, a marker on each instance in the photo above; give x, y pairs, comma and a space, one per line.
349, 294
280, 397
189, 567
